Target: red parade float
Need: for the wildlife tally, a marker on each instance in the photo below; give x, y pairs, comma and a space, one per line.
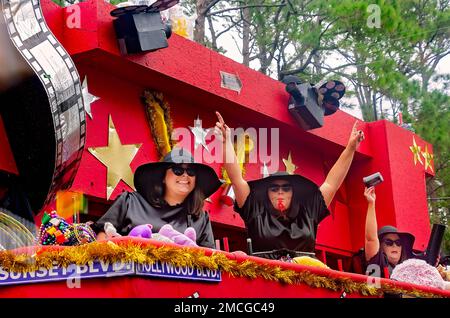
189, 77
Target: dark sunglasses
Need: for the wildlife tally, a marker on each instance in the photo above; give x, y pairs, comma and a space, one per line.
284, 187
390, 242
179, 171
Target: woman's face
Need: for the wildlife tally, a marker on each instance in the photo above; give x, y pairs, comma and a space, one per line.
280, 194
179, 180
391, 245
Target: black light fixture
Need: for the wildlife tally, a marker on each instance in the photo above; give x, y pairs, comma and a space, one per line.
139, 28
309, 104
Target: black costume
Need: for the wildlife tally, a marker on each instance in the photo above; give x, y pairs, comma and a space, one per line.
134, 208
270, 230
131, 209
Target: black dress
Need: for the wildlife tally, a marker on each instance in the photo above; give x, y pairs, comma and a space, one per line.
131, 209
269, 230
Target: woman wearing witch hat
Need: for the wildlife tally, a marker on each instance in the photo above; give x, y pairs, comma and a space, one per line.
282, 211
172, 192
387, 247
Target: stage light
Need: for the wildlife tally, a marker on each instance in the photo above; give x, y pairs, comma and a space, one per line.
309, 104
140, 28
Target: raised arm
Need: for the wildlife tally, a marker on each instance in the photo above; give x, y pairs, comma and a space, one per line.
231, 164
339, 170
371, 242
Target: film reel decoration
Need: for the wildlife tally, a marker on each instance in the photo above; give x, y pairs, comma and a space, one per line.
44, 116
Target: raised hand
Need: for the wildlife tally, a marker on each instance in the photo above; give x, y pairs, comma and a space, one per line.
221, 129
356, 137
370, 195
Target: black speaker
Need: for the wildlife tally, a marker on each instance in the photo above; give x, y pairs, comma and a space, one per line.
139, 28
304, 107
141, 32
434, 243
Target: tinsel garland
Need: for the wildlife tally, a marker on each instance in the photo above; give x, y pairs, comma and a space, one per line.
141, 253
158, 115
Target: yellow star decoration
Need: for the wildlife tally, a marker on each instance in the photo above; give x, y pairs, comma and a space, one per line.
428, 157
290, 167
117, 158
416, 152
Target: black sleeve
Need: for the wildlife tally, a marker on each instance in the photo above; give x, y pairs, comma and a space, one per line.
206, 237
316, 207
115, 215
250, 209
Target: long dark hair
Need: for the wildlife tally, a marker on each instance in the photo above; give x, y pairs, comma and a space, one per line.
156, 191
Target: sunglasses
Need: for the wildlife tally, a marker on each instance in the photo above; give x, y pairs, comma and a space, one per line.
179, 171
284, 187
390, 242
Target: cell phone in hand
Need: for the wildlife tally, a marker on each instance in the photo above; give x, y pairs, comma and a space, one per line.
373, 180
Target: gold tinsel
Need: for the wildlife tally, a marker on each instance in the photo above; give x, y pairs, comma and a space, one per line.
158, 115
179, 256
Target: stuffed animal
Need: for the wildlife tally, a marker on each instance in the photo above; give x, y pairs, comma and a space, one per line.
144, 231
445, 273
110, 230
186, 239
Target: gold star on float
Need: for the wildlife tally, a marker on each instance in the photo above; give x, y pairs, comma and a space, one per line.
290, 167
416, 152
428, 157
199, 133
117, 158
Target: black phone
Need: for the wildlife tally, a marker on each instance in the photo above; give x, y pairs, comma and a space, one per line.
373, 180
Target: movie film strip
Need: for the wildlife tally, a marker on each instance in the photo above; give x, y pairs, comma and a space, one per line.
58, 75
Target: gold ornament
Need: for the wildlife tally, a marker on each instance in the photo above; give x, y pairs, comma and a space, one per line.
179, 26
290, 166
428, 157
416, 152
158, 115
117, 158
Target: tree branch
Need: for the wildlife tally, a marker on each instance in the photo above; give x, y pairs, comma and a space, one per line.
248, 6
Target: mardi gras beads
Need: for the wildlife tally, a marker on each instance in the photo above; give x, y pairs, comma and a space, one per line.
54, 230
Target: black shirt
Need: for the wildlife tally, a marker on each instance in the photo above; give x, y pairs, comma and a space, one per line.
269, 231
381, 262
131, 209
